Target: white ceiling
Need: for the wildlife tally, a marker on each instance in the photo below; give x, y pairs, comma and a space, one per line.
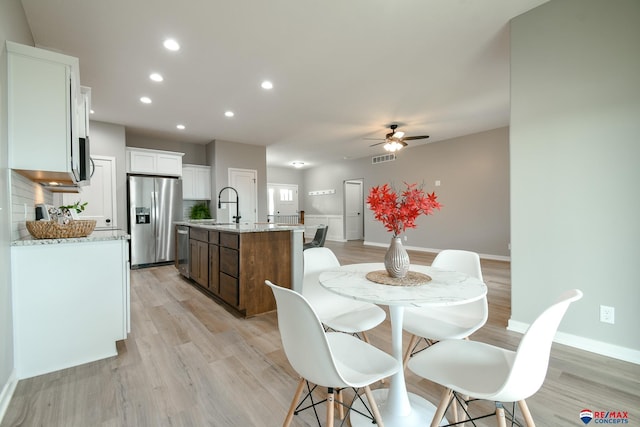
343, 70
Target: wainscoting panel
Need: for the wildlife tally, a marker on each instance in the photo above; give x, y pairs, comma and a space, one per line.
334, 233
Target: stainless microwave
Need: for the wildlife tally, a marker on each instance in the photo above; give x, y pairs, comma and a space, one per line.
85, 167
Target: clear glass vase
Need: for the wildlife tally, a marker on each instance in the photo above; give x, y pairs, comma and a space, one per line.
396, 260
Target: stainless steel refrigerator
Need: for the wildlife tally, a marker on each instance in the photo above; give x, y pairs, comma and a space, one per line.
154, 204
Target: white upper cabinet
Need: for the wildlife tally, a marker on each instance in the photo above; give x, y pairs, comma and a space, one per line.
154, 162
196, 182
42, 93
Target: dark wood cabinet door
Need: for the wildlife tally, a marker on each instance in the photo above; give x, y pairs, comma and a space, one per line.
229, 291
203, 264
214, 269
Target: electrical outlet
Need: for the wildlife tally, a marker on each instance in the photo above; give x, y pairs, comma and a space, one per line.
405, 238
607, 314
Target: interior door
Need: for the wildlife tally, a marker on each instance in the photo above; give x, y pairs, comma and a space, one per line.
354, 206
99, 195
245, 181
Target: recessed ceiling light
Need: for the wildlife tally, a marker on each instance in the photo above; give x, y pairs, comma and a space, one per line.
91, 111
267, 85
145, 100
181, 127
156, 77
229, 113
171, 44
298, 164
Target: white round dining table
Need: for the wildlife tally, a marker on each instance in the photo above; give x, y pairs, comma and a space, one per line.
398, 407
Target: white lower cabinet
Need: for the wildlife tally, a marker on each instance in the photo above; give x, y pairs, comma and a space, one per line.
70, 302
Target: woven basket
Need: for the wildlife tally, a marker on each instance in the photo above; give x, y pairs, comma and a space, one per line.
53, 230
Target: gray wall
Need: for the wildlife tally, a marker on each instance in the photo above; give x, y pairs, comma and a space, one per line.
227, 155
108, 139
575, 166
194, 154
14, 27
474, 175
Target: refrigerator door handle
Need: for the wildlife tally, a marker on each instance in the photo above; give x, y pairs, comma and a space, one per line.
154, 213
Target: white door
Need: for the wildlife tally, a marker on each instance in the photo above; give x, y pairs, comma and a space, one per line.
245, 181
283, 199
99, 195
353, 207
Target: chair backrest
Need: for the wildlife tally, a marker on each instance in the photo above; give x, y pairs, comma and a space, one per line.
321, 235
458, 260
317, 260
469, 263
531, 361
304, 340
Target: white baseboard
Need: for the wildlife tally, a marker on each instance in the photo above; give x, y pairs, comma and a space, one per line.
7, 393
588, 344
435, 251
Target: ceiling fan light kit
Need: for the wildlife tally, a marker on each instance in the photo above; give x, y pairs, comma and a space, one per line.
392, 146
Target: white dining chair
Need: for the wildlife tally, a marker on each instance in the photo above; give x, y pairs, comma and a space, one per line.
337, 313
433, 324
327, 359
486, 372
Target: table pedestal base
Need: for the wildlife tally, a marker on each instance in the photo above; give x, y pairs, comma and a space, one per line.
421, 412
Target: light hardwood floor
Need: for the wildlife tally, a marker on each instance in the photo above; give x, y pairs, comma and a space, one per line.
190, 362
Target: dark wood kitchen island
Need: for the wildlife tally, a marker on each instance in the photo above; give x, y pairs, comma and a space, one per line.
230, 262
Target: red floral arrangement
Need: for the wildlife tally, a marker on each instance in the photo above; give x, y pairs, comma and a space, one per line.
398, 214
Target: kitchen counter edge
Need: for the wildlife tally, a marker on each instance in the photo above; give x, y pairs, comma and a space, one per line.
96, 236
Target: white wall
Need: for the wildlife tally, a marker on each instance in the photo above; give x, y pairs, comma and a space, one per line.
13, 26
575, 167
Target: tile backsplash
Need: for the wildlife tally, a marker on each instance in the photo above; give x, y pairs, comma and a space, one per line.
25, 194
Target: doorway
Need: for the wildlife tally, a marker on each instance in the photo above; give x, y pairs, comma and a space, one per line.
354, 209
100, 194
245, 181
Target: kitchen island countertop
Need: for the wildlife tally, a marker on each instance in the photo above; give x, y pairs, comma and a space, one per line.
95, 236
257, 227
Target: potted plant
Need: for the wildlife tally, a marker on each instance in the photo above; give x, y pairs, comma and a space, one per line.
200, 211
397, 213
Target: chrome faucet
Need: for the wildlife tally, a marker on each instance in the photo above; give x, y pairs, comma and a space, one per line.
237, 203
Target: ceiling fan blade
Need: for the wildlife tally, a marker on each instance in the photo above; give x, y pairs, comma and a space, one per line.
373, 145
409, 138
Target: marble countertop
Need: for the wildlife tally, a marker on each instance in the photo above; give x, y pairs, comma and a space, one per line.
445, 287
257, 227
96, 236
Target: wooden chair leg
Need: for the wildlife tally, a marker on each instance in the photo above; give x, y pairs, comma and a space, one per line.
500, 418
442, 407
294, 403
364, 337
464, 407
413, 341
454, 410
339, 404
374, 407
526, 414
330, 407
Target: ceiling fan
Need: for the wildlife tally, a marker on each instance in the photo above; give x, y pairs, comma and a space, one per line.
395, 140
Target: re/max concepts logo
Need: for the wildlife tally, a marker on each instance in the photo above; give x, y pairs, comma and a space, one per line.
604, 417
